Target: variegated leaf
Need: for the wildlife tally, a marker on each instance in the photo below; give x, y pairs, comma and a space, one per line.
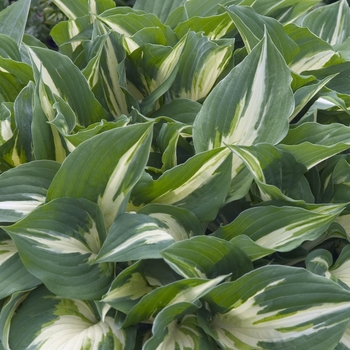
134, 237
24, 188
252, 27
281, 228
214, 27
72, 10
250, 104
106, 72
82, 100
331, 23
265, 309
136, 281
58, 323
175, 327
58, 250
105, 168
206, 176
8, 309
187, 290
13, 19
313, 53
207, 257
14, 276
201, 63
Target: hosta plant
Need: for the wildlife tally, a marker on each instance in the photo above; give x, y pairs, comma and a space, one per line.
176, 176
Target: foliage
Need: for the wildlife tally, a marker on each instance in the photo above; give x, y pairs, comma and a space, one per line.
176, 176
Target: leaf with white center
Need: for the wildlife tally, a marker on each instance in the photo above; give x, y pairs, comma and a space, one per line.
136, 281
14, 76
7, 311
306, 93
201, 63
176, 327
51, 66
13, 19
281, 228
205, 176
24, 188
134, 237
161, 8
331, 22
341, 268
168, 141
153, 70
106, 73
276, 172
179, 222
73, 9
214, 27
250, 105
207, 257
58, 323
252, 27
187, 290
13, 275
58, 248
128, 22
6, 121
313, 53
285, 11
265, 309
69, 35
318, 262
250, 248
105, 168
311, 143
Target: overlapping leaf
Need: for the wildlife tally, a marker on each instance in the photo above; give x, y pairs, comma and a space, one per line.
59, 248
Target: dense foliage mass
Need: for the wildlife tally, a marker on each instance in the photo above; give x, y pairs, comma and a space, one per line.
176, 176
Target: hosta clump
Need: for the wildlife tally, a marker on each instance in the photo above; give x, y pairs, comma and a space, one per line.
176, 176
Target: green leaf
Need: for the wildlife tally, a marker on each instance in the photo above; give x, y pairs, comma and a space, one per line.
9, 48
281, 228
13, 20
24, 188
206, 257
250, 104
311, 143
105, 168
314, 53
58, 250
14, 276
73, 9
285, 11
161, 8
214, 27
276, 172
56, 322
201, 63
176, 327
188, 290
134, 237
331, 23
136, 281
252, 27
265, 309
106, 74
6, 314
205, 176
50, 66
